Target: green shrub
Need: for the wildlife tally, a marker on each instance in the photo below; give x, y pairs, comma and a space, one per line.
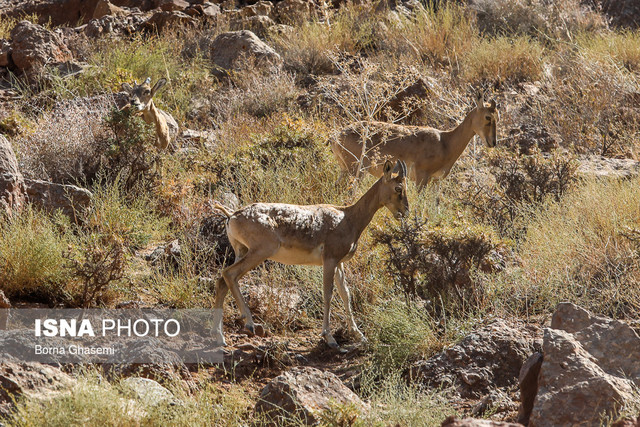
31, 255
131, 157
290, 164
399, 332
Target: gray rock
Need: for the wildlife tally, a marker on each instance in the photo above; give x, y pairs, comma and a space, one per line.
32, 380
229, 47
604, 167
149, 391
304, 392
590, 369
33, 47
485, 360
71, 200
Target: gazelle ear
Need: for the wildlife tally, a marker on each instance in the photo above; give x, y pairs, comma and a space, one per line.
388, 166
480, 99
158, 85
492, 105
126, 87
401, 169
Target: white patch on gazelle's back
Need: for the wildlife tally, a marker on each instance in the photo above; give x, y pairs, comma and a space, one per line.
292, 219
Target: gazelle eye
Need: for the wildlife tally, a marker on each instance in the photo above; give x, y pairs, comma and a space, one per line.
398, 189
147, 92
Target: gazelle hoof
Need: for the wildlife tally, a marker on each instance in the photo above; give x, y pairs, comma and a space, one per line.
259, 330
250, 329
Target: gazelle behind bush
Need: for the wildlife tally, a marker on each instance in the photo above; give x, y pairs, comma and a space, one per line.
141, 99
323, 235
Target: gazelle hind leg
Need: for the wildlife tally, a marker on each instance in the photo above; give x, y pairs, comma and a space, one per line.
345, 295
242, 266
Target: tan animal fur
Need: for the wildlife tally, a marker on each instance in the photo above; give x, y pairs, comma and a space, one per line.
323, 235
430, 153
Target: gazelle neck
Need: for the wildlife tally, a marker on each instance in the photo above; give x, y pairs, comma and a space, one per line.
361, 212
458, 138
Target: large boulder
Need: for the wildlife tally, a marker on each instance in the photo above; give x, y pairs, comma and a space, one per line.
71, 200
229, 47
33, 47
486, 360
304, 392
12, 191
589, 369
33, 380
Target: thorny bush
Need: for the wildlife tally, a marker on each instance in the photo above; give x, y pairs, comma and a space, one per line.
435, 262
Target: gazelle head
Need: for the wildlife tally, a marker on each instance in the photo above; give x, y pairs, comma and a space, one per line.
485, 119
393, 193
140, 95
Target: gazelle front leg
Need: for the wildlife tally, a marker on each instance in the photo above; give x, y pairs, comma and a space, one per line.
346, 299
328, 273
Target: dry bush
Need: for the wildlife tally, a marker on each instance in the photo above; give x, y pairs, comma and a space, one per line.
503, 60
435, 262
621, 49
307, 49
101, 262
435, 36
515, 183
66, 143
589, 107
31, 254
250, 92
536, 18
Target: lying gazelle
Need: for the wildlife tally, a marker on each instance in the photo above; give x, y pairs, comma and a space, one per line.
323, 235
141, 99
430, 153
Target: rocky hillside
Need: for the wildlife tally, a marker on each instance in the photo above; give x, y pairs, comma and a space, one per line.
508, 295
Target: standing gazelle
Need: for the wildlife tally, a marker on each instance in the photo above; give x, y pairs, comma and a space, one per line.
430, 153
323, 235
141, 98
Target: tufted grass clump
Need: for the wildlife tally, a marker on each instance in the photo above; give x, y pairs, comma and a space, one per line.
31, 255
132, 220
